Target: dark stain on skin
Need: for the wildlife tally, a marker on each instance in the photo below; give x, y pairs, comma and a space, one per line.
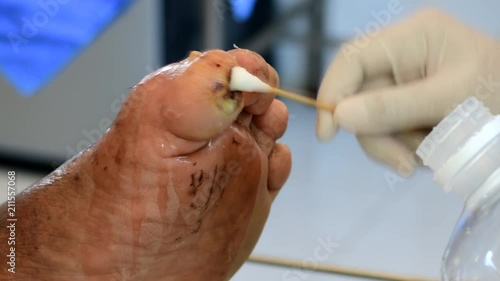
94, 160
178, 239
76, 177
119, 154
264, 71
235, 141
218, 86
48, 218
228, 76
232, 94
194, 163
118, 158
105, 168
217, 64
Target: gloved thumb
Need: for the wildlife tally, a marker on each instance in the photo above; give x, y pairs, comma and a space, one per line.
419, 104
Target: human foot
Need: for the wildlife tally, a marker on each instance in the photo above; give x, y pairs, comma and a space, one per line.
178, 189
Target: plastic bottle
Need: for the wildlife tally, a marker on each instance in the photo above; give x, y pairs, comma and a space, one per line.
463, 150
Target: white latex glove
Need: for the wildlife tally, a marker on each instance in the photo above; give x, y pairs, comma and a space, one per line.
391, 91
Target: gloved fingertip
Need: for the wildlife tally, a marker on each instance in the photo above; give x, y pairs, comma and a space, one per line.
350, 116
326, 127
406, 165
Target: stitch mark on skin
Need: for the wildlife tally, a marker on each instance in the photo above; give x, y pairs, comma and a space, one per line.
196, 182
194, 206
192, 184
200, 178
197, 228
222, 192
211, 192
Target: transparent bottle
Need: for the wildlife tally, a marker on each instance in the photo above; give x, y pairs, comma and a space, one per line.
463, 150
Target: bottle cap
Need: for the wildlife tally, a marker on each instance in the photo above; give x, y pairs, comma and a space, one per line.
461, 149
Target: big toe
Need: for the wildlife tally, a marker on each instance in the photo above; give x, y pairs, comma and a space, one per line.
190, 99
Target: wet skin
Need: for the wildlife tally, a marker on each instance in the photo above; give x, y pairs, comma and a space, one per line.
179, 188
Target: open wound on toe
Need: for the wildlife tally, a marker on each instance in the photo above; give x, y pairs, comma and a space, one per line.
230, 101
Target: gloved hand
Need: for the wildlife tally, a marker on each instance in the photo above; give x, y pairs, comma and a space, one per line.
404, 81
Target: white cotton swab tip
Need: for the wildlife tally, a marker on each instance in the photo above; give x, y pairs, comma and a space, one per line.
242, 80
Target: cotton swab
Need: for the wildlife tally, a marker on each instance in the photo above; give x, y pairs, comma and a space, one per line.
242, 80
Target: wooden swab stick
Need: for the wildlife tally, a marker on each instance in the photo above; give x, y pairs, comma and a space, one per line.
242, 80
333, 269
303, 99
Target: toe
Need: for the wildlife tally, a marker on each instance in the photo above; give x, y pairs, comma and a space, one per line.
191, 98
274, 121
280, 164
256, 103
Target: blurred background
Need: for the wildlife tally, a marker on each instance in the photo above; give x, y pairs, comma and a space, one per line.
66, 66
